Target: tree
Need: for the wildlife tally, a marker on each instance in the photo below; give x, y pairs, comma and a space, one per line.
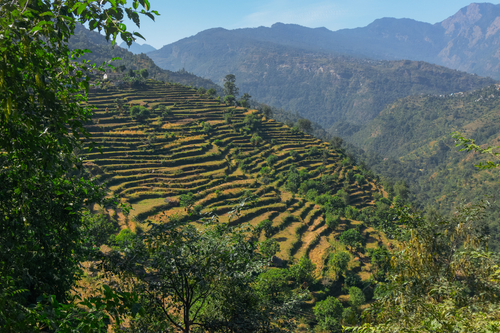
305, 125
356, 297
328, 314
336, 142
269, 247
187, 201
352, 238
230, 87
181, 272
266, 110
144, 73
338, 263
245, 100
229, 99
273, 283
332, 221
45, 191
267, 226
442, 277
211, 92
303, 270
271, 160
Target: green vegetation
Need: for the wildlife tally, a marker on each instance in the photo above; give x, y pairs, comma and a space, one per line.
410, 141
323, 88
195, 163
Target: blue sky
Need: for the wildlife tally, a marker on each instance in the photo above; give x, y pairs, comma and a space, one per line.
180, 19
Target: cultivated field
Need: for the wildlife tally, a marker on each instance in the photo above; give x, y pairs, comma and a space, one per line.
191, 143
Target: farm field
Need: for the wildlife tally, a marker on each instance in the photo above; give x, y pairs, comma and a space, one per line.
188, 144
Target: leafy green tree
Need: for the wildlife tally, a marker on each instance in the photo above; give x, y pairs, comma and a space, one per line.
336, 142
271, 160
252, 121
305, 125
144, 73
211, 92
338, 263
442, 277
267, 226
187, 201
356, 297
178, 270
328, 314
255, 139
124, 239
332, 221
273, 283
303, 270
139, 112
245, 100
352, 238
45, 193
229, 99
266, 110
230, 87
269, 247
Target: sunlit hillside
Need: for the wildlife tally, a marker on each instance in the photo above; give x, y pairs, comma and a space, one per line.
191, 143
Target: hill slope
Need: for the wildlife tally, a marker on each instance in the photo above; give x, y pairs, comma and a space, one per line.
320, 86
221, 155
416, 132
102, 52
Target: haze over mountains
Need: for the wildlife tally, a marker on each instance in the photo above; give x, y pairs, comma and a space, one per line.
325, 76
136, 48
467, 41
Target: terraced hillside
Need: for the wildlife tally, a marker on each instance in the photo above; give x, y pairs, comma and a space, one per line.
192, 153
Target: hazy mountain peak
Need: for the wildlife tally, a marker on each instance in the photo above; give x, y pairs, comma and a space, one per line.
469, 17
136, 48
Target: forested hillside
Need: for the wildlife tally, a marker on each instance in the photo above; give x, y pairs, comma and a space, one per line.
415, 132
321, 87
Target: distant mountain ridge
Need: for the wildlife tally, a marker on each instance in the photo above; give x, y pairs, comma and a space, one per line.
136, 48
321, 86
467, 41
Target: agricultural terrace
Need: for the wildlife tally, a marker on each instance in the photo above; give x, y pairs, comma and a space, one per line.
167, 150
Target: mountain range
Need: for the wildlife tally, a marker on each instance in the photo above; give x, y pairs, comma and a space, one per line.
348, 75
137, 48
467, 41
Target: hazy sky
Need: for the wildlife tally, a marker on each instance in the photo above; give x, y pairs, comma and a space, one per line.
180, 19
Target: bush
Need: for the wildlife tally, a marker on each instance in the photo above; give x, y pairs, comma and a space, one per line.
267, 226
328, 314
123, 240
332, 221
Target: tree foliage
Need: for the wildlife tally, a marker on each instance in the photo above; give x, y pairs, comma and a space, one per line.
442, 277
45, 190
